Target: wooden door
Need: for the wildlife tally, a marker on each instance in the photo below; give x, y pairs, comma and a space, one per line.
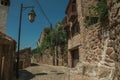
75, 57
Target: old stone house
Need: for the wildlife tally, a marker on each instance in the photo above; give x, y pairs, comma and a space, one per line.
7, 57
91, 50
25, 59
7, 45
77, 12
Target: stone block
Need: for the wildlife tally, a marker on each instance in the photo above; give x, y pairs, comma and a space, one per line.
109, 51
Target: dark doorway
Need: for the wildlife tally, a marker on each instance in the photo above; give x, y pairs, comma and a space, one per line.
75, 57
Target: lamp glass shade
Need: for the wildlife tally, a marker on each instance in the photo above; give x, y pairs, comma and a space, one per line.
31, 16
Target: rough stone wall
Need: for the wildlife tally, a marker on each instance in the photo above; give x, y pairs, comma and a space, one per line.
25, 57
3, 17
62, 56
114, 22
96, 57
47, 58
96, 50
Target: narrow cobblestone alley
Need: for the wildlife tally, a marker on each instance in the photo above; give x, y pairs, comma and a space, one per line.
44, 72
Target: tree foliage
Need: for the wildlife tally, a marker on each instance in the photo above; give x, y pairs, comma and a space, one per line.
100, 8
52, 37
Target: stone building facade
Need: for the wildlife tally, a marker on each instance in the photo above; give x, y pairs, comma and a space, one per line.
4, 5
91, 50
7, 45
7, 57
75, 28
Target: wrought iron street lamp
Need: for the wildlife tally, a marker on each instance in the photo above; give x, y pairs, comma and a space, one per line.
31, 17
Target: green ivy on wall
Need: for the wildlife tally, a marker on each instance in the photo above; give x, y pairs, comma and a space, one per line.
99, 11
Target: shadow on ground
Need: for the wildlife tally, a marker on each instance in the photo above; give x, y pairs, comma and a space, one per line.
41, 74
34, 64
25, 75
59, 73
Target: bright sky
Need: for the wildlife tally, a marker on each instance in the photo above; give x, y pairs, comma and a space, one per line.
54, 9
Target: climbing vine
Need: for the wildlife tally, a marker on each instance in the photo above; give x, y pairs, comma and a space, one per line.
99, 11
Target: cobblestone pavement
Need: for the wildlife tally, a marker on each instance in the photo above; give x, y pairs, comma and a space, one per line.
44, 72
